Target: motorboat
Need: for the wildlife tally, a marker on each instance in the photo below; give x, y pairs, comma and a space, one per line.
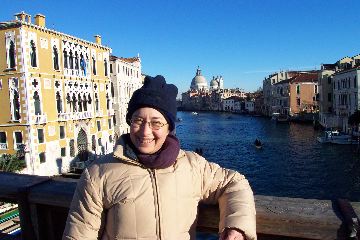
279, 117
194, 113
336, 137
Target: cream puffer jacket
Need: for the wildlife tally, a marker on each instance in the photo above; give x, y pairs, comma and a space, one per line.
118, 198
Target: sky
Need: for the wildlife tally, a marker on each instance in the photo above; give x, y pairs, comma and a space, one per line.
242, 41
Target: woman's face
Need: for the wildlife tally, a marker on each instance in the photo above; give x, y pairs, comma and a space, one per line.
146, 139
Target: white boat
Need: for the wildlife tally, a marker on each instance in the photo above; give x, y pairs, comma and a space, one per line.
194, 113
336, 137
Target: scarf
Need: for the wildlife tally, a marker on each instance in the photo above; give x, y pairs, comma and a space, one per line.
163, 158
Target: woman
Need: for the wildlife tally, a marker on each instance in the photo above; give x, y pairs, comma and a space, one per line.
149, 188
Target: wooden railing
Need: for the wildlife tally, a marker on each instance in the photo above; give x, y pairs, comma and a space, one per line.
44, 202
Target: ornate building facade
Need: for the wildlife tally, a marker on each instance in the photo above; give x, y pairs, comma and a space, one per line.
55, 96
126, 77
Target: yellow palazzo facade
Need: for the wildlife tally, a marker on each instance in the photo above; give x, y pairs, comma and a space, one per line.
55, 96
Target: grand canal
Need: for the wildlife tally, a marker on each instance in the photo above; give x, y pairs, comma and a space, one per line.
291, 163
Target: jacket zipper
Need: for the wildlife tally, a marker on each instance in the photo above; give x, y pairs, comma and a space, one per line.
156, 202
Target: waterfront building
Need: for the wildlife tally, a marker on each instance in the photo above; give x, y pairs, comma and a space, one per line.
346, 100
126, 77
55, 96
268, 83
281, 97
250, 106
325, 79
216, 83
332, 109
304, 93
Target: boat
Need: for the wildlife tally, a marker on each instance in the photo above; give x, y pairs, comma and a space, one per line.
258, 144
194, 113
277, 117
336, 137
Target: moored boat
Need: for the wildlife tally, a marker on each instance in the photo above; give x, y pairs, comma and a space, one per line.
336, 137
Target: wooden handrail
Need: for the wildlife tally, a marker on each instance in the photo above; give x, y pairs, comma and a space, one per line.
47, 201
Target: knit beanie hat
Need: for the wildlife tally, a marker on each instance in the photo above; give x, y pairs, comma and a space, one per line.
157, 94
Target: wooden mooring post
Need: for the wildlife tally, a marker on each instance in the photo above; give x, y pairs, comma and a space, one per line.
44, 202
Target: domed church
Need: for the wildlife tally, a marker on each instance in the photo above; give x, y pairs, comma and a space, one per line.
199, 82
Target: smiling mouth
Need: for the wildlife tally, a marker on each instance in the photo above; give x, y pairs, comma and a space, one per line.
145, 141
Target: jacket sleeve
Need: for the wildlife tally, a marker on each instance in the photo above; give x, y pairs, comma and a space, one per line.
86, 214
232, 192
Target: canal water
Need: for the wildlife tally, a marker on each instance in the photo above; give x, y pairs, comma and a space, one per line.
291, 162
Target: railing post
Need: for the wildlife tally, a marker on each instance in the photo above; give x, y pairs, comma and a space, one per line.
25, 214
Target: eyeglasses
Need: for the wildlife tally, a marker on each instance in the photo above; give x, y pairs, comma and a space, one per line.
155, 125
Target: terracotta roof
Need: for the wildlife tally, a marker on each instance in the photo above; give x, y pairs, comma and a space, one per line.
129, 60
305, 77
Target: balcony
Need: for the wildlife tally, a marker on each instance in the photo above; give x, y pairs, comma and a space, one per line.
64, 116
83, 115
3, 146
40, 119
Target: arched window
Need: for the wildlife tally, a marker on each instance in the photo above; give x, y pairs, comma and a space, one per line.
37, 106
80, 102
107, 102
33, 54
83, 64
12, 55
76, 61
94, 65
71, 60
84, 103
16, 104
74, 103
55, 58
58, 102
96, 102
65, 59
105, 66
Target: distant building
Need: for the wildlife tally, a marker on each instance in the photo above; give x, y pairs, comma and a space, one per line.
126, 77
55, 95
199, 82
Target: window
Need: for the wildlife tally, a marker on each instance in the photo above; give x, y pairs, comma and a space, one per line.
99, 142
3, 142
33, 54
63, 152
105, 67
71, 60
17, 139
42, 157
65, 59
36, 99
94, 65
58, 102
329, 80
297, 89
110, 123
329, 97
298, 101
111, 66
72, 148
315, 88
40, 132
355, 82
12, 55
55, 58
98, 125
62, 132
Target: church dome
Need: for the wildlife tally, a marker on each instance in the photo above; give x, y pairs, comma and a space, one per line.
214, 83
199, 81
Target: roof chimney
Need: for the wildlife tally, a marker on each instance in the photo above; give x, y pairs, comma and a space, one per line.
23, 17
40, 20
98, 39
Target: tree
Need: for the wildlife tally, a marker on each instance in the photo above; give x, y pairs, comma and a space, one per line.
11, 163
